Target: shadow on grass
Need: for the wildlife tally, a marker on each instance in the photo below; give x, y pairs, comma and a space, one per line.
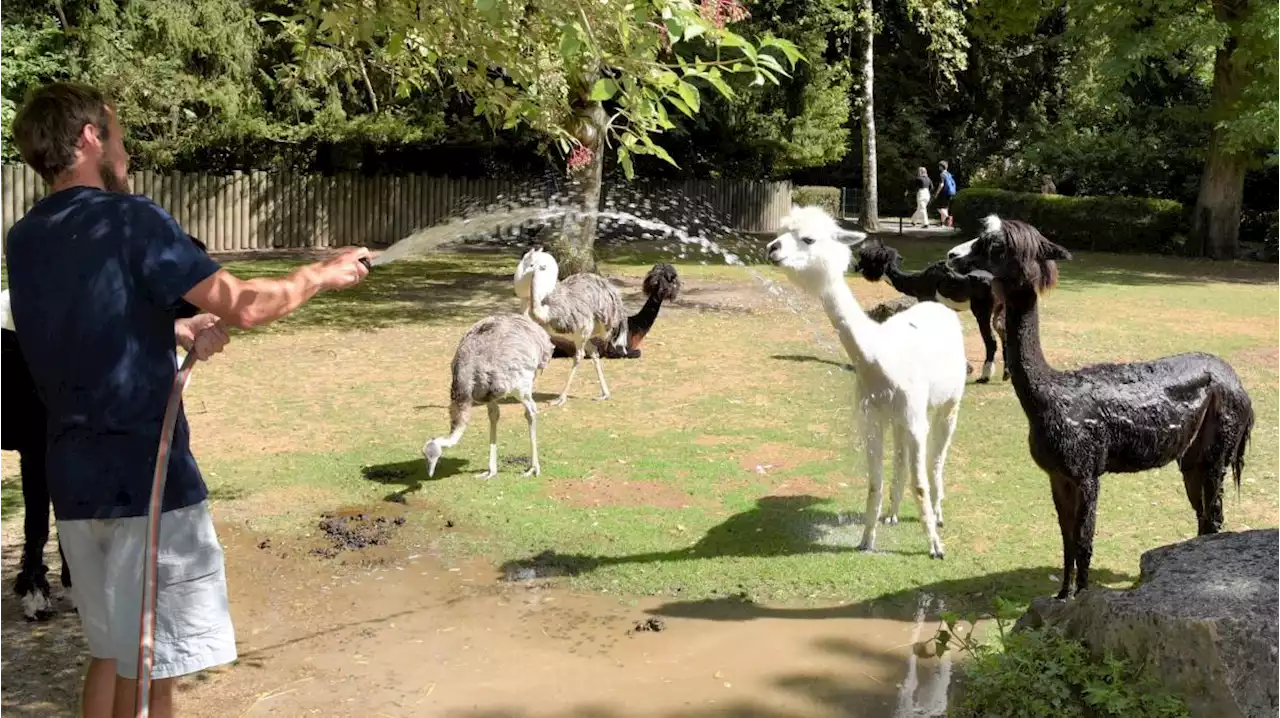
776, 526
973, 593
410, 475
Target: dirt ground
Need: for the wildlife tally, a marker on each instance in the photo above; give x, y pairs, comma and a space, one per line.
336, 624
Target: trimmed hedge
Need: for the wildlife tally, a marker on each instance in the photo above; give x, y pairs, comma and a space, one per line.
1101, 224
827, 198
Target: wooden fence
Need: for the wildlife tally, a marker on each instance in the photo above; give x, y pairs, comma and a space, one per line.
277, 210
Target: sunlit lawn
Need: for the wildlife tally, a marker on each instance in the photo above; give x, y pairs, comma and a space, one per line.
726, 462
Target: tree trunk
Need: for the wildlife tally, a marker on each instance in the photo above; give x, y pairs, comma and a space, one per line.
870, 189
1215, 223
574, 250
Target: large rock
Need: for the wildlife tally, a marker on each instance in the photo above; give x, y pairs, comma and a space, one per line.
1203, 618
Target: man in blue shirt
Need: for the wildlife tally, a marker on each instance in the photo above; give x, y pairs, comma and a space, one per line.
95, 276
946, 190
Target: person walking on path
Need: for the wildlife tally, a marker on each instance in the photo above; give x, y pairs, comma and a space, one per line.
946, 190
96, 275
923, 187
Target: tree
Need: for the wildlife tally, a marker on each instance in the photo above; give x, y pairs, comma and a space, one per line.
593, 76
1227, 44
943, 22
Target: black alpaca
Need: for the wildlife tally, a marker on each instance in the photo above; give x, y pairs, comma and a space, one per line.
939, 283
23, 421
661, 284
24, 424
1108, 418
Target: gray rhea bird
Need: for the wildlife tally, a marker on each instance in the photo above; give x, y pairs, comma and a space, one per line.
499, 356
581, 308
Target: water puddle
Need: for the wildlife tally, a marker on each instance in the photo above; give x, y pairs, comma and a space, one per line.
418, 636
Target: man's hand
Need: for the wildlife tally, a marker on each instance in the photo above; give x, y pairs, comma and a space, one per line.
202, 335
210, 341
185, 330
344, 270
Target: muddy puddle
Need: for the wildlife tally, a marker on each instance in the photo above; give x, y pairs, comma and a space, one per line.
358, 616
410, 635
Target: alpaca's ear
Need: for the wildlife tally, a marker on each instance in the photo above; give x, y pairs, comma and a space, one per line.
1053, 252
851, 237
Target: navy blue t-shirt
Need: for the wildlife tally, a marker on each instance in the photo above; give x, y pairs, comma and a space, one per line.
95, 279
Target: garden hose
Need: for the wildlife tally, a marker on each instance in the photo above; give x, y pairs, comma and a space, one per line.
147, 627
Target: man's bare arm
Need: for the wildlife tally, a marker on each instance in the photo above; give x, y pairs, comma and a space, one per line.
254, 302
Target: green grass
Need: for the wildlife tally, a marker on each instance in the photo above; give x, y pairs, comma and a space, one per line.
331, 406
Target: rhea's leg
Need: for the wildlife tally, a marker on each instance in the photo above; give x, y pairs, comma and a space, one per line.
873, 434
604, 387
493, 442
531, 415
564, 395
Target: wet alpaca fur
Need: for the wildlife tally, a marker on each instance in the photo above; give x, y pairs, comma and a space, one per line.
1108, 418
939, 283
661, 284
23, 421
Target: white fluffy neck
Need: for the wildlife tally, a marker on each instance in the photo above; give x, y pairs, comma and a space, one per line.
858, 333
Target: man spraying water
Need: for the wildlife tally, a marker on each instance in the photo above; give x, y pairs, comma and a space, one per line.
95, 276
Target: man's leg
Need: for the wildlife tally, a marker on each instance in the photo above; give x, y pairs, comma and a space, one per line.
84, 546
193, 616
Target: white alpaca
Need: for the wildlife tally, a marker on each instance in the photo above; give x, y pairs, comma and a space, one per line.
910, 370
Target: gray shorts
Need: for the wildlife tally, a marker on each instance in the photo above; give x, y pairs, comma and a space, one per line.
193, 617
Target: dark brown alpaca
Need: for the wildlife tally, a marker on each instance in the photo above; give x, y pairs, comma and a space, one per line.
1107, 418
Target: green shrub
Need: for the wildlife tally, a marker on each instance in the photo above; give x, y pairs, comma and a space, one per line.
827, 198
1102, 224
1040, 673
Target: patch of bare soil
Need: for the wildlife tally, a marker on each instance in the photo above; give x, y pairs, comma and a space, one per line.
597, 491
802, 486
420, 636
771, 457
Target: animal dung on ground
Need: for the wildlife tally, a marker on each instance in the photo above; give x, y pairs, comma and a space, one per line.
355, 532
651, 625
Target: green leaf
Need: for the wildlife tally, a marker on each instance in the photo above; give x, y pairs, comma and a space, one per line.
664, 121
604, 89
719, 84
679, 104
659, 152
395, 44
731, 39
624, 159
693, 30
675, 28
787, 48
486, 6
689, 94
570, 44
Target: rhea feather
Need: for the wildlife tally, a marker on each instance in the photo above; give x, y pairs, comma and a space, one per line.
579, 309
500, 356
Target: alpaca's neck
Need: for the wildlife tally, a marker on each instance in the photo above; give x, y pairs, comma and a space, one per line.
1029, 371
858, 333
899, 279
642, 321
